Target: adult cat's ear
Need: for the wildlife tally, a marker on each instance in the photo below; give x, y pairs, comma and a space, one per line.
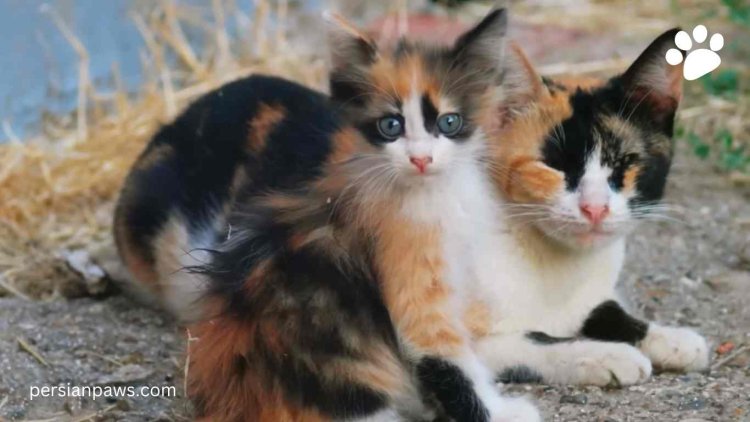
349, 46
483, 46
520, 84
652, 80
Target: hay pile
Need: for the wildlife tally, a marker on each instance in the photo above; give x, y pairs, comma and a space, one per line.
57, 191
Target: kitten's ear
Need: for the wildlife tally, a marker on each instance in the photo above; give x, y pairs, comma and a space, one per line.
651, 79
520, 84
348, 45
483, 46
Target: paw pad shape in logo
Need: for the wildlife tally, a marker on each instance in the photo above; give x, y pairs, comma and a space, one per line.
699, 61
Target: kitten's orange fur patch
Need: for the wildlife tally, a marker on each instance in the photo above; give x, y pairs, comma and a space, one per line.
261, 125
135, 259
410, 265
400, 78
139, 267
586, 83
153, 156
344, 145
381, 370
227, 395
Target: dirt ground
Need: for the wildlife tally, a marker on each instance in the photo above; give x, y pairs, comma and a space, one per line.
692, 271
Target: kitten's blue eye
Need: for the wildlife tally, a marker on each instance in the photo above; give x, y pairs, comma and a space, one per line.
450, 124
391, 127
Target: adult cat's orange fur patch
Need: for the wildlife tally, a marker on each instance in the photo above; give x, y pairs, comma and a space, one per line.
630, 178
262, 124
532, 181
516, 150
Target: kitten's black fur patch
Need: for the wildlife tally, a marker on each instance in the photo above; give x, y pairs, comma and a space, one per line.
609, 322
451, 387
339, 400
430, 114
209, 144
520, 374
539, 337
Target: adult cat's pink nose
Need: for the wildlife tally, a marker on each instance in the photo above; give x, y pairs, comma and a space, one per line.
595, 213
421, 163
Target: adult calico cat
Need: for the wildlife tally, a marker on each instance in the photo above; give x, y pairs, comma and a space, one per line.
579, 163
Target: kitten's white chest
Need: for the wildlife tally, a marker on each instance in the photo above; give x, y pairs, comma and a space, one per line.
462, 206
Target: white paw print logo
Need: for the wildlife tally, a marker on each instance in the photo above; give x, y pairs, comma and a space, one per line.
700, 61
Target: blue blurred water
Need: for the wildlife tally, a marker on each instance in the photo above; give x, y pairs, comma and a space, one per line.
39, 68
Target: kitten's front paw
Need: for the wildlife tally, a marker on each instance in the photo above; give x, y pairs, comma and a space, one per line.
516, 410
676, 349
608, 364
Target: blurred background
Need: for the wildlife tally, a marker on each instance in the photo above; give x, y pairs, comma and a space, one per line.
84, 83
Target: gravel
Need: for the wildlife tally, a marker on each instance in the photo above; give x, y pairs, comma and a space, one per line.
690, 271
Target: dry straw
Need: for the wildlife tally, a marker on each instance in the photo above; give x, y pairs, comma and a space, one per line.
57, 190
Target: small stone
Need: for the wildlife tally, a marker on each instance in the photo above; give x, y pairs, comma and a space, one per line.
73, 406
574, 399
725, 348
80, 261
731, 281
691, 403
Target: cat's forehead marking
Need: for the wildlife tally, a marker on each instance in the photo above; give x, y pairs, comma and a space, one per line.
398, 77
623, 132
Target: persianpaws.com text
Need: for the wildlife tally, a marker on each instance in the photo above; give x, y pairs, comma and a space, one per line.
98, 391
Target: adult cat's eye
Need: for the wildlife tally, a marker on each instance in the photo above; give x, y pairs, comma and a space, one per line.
391, 127
450, 124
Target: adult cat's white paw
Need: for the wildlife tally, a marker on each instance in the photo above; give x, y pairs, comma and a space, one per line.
675, 349
516, 410
606, 364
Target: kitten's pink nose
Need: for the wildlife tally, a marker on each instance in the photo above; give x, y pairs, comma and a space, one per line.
595, 213
421, 163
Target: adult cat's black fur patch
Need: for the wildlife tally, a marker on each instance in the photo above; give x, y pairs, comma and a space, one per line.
609, 322
630, 119
569, 145
539, 337
520, 374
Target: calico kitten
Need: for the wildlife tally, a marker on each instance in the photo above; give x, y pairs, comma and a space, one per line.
337, 296
580, 165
